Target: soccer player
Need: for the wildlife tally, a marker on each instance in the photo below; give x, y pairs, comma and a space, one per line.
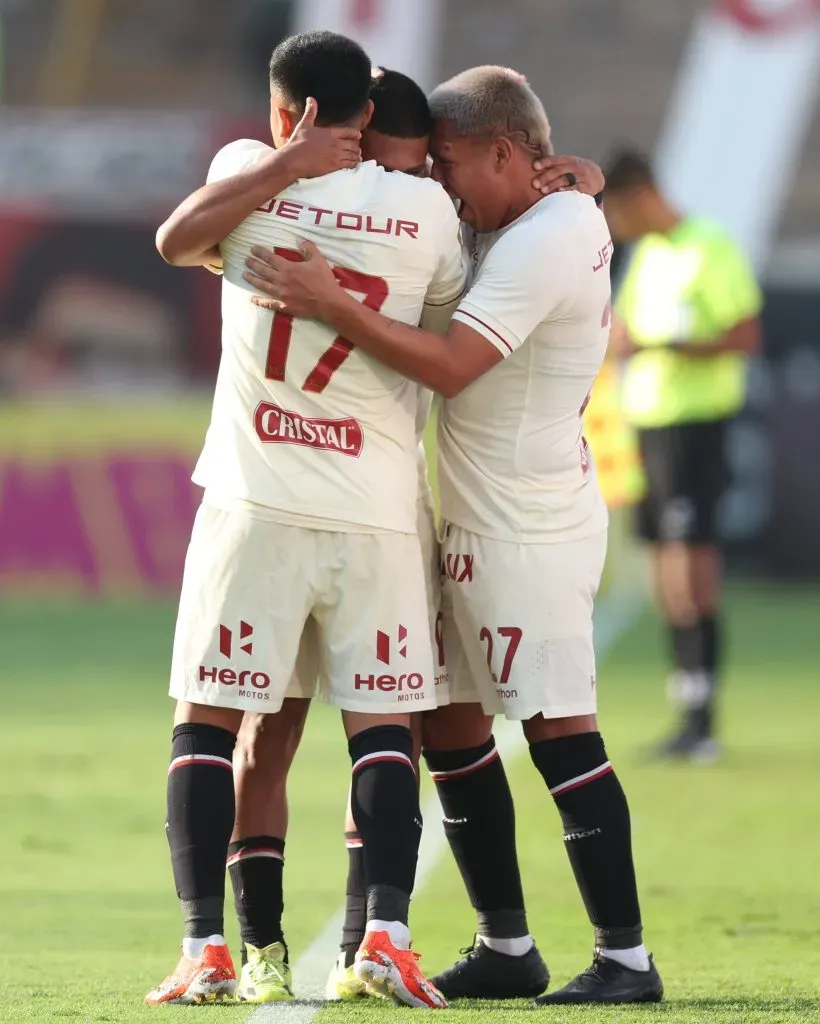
397, 137
309, 513
687, 322
525, 525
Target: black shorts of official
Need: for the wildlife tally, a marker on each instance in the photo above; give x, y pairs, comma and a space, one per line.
686, 473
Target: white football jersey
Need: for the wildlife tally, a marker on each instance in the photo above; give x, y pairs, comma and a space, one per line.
303, 423
513, 463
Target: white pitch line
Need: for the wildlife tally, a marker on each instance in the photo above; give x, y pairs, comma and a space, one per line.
615, 614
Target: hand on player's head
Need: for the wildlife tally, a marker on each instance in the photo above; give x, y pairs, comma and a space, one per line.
295, 287
559, 173
318, 151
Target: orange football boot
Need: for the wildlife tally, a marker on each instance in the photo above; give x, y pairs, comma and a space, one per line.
394, 973
209, 979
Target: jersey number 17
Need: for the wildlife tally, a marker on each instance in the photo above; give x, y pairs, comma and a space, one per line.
375, 292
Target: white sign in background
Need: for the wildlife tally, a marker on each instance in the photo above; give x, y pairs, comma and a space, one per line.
398, 34
739, 115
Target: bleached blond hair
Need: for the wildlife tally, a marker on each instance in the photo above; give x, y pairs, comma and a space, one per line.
491, 100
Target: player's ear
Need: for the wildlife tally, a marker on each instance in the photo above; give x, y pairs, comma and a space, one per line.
286, 122
503, 151
364, 121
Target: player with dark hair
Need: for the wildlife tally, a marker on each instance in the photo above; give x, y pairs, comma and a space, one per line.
309, 513
333, 69
399, 131
687, 322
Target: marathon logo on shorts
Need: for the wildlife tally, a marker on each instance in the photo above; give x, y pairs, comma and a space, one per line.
280, 426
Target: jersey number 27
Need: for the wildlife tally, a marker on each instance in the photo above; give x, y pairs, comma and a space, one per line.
375, 292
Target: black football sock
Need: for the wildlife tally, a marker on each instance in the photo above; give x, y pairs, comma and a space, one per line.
696, 650
479, 822
712, 644
255, 865
200, 822
384, 799
597, 833
711, 626
355, 920
687, 643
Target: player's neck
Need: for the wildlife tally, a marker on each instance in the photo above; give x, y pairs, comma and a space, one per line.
518, 207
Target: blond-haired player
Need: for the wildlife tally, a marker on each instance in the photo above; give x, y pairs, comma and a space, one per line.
525, 525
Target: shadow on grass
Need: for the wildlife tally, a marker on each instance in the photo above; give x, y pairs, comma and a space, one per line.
807, 1007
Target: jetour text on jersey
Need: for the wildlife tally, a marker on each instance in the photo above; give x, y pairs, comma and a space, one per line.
319, 216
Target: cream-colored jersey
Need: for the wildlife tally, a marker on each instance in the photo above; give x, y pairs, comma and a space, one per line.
303, 423
513, 463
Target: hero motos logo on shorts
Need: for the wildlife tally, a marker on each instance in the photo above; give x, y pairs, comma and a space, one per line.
226, 639
280, 426
230, 677
387, 646
383, 645
387, 684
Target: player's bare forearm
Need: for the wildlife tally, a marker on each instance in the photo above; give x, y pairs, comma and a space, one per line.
197, 226
309, 289
214, 211
428, 358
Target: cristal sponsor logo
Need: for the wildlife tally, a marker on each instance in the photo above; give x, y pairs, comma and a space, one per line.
383, 645
458, 568
280, 426
389, 684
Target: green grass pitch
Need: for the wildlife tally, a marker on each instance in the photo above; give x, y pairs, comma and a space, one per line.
728, 857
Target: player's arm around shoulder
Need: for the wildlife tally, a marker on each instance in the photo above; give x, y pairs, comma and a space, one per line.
509, 298
244, 175
191, 234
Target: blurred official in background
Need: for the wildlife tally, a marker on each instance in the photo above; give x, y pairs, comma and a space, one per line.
687, 322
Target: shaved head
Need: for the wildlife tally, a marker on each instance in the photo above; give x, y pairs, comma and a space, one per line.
492, 101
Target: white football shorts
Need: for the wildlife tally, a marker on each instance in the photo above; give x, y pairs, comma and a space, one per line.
517, 623
258, 597
309, 666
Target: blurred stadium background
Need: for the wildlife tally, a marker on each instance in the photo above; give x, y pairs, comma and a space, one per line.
109, 113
